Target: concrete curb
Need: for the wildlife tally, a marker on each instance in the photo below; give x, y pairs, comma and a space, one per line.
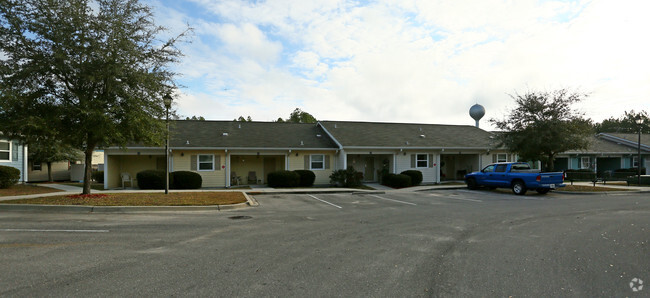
600, 192
117, 209
261, 193
251, 201
444, 188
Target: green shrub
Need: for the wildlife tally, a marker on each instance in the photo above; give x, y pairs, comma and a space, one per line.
416, 176
307, 178
152, 179
346, 178
283, 179
630, 170
185, 180
98, 176
632, 180
8, 176
397, 180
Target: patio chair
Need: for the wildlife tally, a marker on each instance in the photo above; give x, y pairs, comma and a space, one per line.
126, 177
252, 177
234, 179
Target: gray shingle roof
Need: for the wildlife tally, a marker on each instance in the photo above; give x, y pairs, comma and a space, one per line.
396, 135
210, 134
600, 145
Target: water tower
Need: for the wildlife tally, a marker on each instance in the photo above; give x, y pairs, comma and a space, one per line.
477, 112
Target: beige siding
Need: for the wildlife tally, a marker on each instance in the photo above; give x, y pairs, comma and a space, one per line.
60, 172
298, 163
403, 163
112, 169
215, 178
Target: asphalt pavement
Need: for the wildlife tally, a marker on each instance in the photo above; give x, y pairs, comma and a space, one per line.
442, 243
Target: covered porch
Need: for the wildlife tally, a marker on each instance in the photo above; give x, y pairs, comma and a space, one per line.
371, 165
253, 168
126, 163
456, 166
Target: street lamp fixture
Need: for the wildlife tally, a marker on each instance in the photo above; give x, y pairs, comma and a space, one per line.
167, 100
638, 121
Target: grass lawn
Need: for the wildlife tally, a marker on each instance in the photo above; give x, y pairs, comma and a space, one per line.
25, 189
140, 199
585, 188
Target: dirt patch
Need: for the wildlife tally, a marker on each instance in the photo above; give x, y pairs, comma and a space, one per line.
25, 189
140, 199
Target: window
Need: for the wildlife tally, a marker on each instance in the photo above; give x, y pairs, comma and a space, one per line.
585, 162
502, 157
206, 162
36, 166
422, 161
488, 169
317, 161
5, 151
635, 161
501, 168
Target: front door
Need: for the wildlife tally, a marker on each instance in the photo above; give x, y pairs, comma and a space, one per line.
269, 166
369, 169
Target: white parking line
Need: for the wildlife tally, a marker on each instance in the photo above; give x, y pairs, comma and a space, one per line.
65, 231
326, 202
465, 199
398, 201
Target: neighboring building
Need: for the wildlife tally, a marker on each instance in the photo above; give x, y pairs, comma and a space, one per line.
64, 170
12, 154
227, 153
608, 152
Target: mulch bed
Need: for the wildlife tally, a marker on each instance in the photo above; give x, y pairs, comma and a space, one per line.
25, 189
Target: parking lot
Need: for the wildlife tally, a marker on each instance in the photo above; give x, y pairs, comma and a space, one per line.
431, 243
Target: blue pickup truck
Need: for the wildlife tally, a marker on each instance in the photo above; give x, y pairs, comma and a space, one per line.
516, 175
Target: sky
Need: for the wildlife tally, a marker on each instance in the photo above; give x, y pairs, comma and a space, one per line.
414, 61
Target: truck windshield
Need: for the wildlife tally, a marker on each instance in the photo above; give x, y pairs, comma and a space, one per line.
522, 166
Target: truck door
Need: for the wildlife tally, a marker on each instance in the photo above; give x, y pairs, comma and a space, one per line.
484, 178
499, 178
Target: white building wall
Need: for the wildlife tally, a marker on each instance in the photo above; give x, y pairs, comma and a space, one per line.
429, 175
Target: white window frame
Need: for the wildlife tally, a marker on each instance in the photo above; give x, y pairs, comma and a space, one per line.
418, 160
312, 161
635, 161
582, 162
198, 163
504, 159
3, 150
36, 165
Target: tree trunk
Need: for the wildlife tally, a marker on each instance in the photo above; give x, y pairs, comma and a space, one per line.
551, 163
49, 172
88, 169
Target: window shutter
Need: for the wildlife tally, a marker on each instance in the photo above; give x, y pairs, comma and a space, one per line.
14, 152
217, 162
494, 157
193, 162
307, 162
431, 160
327, 162
413, 161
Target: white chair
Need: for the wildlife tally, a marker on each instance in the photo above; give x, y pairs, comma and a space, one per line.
126, 177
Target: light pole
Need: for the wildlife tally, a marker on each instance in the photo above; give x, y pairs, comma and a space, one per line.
167, 100
638, 121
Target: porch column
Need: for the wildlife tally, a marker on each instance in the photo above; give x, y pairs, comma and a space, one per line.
105, 170
438, 167
228, 173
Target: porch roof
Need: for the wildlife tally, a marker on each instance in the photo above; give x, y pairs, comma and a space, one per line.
407, 135
234, 134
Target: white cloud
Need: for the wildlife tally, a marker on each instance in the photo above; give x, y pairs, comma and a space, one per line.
415, 61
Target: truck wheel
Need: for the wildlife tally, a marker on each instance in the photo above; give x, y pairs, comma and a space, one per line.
543, 191
471, 183
519, 188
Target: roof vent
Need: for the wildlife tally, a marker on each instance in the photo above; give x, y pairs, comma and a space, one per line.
302, 144
318, 135
239, 125
187, 142
334, 125
422, 136
225, 134
407, 142
420, 128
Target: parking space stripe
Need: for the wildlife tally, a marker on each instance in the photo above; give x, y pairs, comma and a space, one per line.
326, 202
64, 231
465, 199
398, 201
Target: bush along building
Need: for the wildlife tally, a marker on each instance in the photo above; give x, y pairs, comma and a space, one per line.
230, 153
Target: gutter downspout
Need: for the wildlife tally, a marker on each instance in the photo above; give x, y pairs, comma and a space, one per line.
25, 177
